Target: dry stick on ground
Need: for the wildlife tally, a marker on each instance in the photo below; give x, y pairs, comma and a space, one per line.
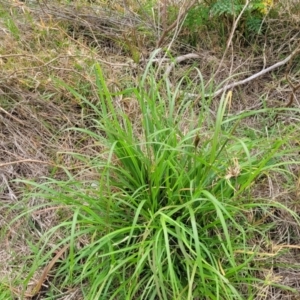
47, 269
233, 84
179, 19
229, 41
27, 160
12, 117
254, 76
164, 15
40, 282
179, 59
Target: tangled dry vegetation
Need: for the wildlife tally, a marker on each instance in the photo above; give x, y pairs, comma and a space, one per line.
44, 42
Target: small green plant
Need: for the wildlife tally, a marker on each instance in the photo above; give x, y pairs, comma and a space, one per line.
5, 292
167, 217
196, 17
12, 27
220, 14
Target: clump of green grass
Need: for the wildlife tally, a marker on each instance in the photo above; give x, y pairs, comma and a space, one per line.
168, 217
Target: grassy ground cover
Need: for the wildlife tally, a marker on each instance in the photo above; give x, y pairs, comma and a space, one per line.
123, 174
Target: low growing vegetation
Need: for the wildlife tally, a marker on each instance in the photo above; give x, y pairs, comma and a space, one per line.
125, 176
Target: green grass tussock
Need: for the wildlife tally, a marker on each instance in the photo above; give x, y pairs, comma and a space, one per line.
125, 174
173, 214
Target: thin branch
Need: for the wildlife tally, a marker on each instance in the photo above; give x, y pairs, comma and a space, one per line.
26, 160
12, 117
179, 59
254, 76
229, 41
180, 17
228, 86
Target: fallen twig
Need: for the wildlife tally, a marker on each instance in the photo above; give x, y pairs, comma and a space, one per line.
46, 271
254, 76
179, 59
181, 16
25, 160
229, 41
233, 84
